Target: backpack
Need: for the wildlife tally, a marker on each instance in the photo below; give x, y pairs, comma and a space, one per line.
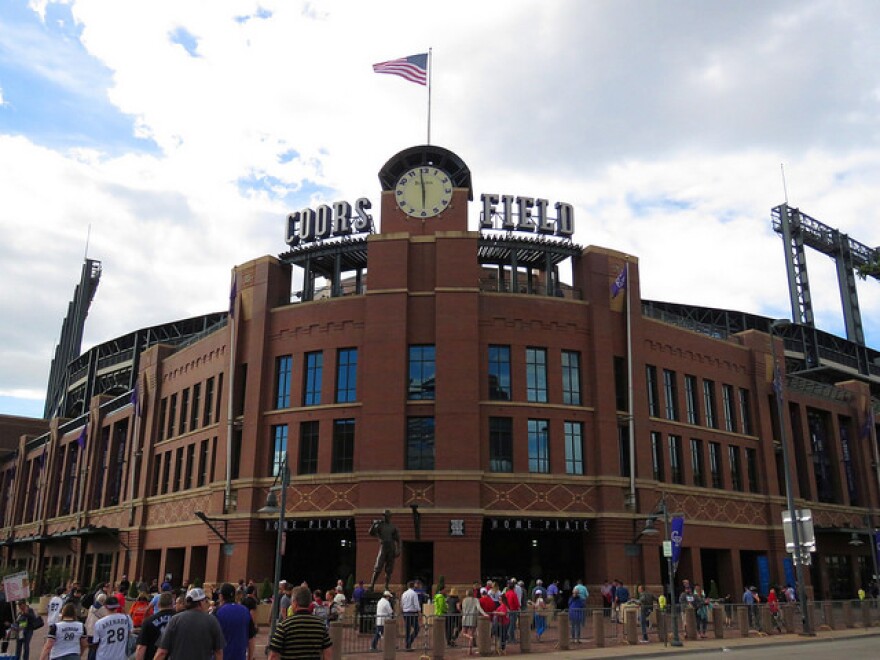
36, 622
321, 612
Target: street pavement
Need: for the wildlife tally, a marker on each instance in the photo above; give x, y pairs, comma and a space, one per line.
772, 645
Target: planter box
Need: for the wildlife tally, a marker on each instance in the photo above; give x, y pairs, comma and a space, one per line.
263, 614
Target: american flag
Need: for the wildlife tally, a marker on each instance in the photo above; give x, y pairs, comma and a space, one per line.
413, 68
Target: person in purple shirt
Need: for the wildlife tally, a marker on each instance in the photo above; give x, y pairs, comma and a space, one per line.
237, 625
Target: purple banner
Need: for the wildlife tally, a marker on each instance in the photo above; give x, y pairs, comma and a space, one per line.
877, 546
676, 538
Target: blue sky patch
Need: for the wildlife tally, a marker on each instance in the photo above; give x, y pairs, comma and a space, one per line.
183, 37
54, 91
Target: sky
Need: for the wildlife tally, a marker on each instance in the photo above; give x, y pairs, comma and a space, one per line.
169, 139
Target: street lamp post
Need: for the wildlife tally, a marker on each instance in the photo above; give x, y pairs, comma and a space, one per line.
273, 506
670, 582
789, 492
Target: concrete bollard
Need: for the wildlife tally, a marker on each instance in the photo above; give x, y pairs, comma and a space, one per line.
742, 620
564, 630
766, 619
484, 636
663, 628
525, 629
629, 628
718, 621
846, 607
788, 617
690, 622
828, 610
389, 640
438, 636
866, 613
599, 628
336, 638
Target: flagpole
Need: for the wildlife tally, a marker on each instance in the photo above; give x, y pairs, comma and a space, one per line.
133, 450
230, 409
630, 391
430, 72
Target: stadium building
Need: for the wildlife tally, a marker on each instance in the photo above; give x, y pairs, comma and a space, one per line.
505, 393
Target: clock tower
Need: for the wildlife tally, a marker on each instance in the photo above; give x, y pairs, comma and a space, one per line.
425, 190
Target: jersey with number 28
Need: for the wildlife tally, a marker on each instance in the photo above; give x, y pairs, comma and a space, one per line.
111, 635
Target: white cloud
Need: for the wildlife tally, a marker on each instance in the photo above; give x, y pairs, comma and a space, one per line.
665, 124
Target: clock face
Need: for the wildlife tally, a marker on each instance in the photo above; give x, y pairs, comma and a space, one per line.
423, 192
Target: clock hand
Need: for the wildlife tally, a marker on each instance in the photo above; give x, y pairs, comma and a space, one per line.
422, 177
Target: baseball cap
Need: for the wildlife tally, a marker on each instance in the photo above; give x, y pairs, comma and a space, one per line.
389, 594
194, 595
484, 590
111, 603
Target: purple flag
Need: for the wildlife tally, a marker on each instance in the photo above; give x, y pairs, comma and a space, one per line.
81, 440
413, 68
777, 381
869, 421
877, 545
619, 283
232, 293
677, 536
136, 400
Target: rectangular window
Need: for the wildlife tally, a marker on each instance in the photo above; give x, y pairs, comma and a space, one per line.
675, 470
346, 375
670, 393
623, 450
709, 397
166, 473
218, 399
117, 463
500, 444
621, 384
657, 456
735, 471
283, 370
752, 469
203, 464
499, 373
745, 411
651, 385
184, 409
163, 412
178, 469
343, 446
846, 459
308, 448
194, 408
539, 446
279, 449
157, 474
312, 378
190, 466
715, 464
420, 443
421, 372
536, 375
690, 395
697, 462
172, 414
98, 486
207, 418
574, 448
571, 379
729, 405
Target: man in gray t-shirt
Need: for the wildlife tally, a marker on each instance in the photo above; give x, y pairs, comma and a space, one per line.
193, 634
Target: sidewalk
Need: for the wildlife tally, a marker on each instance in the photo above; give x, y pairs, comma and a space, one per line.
620, 649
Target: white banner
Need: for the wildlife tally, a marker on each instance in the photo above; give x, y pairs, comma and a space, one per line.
17, 586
